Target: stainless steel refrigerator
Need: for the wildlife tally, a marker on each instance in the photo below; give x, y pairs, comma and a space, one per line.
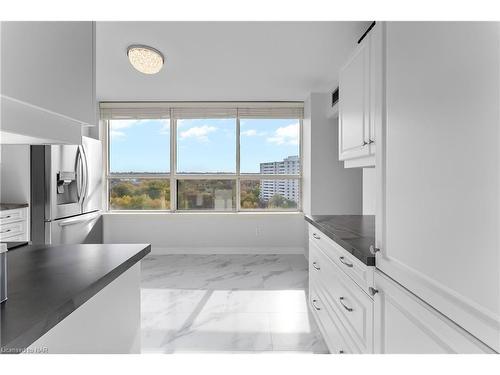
66, 189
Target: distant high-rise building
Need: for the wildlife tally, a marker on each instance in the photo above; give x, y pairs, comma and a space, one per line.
287, 188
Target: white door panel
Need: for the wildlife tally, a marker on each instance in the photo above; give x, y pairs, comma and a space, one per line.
406, 325
438, 207
353, 105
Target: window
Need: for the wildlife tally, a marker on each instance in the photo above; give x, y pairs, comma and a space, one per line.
139, 194
270, 194
189, 158
217, 195
206, 146
265, 142
139, 146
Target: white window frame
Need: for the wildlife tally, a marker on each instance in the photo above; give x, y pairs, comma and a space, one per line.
173, 176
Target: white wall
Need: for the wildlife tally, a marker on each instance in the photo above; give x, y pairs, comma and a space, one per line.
209, 232
369, 191
328, 187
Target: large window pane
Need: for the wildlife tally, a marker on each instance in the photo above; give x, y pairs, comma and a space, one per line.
206, 146
218, 195
269, 146
270, 194
139, 194
141, 146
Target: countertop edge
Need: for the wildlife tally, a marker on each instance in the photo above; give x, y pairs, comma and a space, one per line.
12, 206
51, 319
370, 262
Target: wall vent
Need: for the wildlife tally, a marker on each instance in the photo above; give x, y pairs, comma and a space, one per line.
335, 96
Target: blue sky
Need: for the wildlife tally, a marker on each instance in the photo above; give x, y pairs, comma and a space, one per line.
203, 145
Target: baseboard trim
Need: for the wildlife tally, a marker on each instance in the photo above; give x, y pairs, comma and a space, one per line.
226, 250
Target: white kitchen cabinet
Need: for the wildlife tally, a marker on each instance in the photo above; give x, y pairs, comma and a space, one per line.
359, 272
438, 201
14, 224
328, 323
343, 310
404, 324
354, 105
360, 88
48, 81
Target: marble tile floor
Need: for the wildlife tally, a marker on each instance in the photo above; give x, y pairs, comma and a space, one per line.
227, 303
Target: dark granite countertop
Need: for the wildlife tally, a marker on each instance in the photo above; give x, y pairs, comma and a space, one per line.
12, 206
47, 283
355, 233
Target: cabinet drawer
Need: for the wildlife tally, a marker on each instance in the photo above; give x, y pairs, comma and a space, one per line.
352, 305
335, 340
353, 267
12, 229
10, 216
14, 238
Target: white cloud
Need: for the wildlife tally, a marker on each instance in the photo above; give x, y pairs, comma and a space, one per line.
286, 135
200, 133
117, 134
165, 127
123, 124
252, 133
117, 126
249, 132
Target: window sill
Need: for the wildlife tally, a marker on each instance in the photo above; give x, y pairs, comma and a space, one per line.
146, 212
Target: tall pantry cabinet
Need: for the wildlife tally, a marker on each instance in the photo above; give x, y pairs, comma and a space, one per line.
438, 178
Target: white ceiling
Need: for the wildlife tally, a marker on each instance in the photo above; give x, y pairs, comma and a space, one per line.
224, 61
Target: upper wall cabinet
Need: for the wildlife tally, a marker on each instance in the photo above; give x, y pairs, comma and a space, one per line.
48, 81
360, 83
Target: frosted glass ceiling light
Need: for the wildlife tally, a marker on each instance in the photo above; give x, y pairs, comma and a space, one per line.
145, 59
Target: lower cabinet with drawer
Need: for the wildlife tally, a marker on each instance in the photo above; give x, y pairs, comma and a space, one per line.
361, 310
359, 272
344, 311
328, 322
14, 225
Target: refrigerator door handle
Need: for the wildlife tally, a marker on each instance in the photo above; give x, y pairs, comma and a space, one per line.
81, 174
85, 173
78, 169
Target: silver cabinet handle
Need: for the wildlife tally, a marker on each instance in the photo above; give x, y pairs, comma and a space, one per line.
371, 141
373, 249
314, 304
341, 299
316, 236
5, 217
364, 143
344, 262
315, 266
5, 231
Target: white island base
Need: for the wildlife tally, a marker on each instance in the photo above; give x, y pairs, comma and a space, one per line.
107, 323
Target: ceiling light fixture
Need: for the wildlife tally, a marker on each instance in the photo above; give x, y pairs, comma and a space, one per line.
145, 59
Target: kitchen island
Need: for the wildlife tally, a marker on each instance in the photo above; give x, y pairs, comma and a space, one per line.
81, 298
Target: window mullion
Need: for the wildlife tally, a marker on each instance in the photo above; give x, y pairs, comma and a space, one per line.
106, 167
238, 198
173, 163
